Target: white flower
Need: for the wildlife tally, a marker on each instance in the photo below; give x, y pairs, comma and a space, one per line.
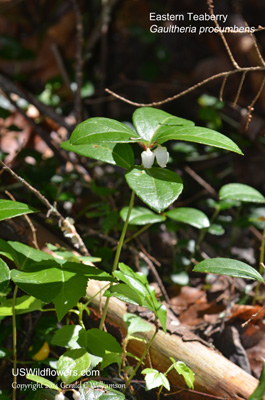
162, 156
76, 395
59, 396
148, 158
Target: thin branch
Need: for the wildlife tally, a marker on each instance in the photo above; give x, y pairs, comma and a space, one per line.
252, 317
186, 91
256, 47
229, 52
222, 88
239, 88
201, 181
60, 63
66, 224
251, 106
9, 86
32, 227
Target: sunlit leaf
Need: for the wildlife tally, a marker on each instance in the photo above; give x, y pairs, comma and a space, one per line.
113, 153
156, 187
238, 191
148, 121
141, 216
227, 266
11, 209
73, 364
189, 216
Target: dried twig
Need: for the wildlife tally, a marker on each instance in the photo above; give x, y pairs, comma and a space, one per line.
186, 91
66, 224
222, 88
201, 181
239, 88
229, 52
252, 317
60, 63
251, 106
32, 227
256, 46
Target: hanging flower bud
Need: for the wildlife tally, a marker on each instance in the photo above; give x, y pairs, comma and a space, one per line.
59, 396
76, 395
162, 156
148, 158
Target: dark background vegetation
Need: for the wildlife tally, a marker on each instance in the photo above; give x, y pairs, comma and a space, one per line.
40, 55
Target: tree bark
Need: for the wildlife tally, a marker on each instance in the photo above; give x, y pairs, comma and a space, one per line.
214, 374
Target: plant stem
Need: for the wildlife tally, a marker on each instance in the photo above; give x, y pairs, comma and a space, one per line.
14, 329
117, 257
143, 229
141, 359
261, 263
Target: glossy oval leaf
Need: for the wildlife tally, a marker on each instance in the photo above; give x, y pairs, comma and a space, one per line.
238, 191
141, 216
92, 390
73, 364
67, 336
100, 130
185, 371
24, 304
42, 381
196, 134
190, 216
148, 120
4, 275
154, 378
156, 187
99, 343
113, 153
11, 209
227, 266
135, 324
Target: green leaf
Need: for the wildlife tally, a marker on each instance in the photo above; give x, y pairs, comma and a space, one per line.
63, 284
238, 191
148, 121
127, 294
154, 378
100, 341
138, 283
92, 390
42, 381
195, 134
23, 255
113, 153
24, 305
227, 266
156, 187
185, 371
11, 209
4, 275
259, 392
216, 229
141, 216
67, 336
135, 324
101, 130
189, 216
73, 364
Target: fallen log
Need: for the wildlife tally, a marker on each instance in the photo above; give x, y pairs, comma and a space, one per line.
214, 374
